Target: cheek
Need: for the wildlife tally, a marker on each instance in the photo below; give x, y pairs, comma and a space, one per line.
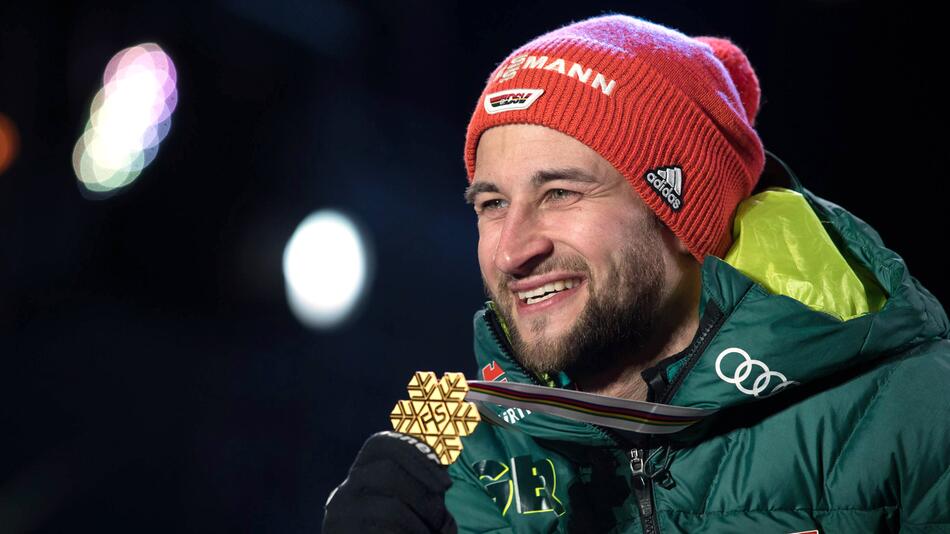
486, 252
599, 241
583, 235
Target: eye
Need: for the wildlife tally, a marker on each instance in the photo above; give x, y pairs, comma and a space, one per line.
489, 205
555, 194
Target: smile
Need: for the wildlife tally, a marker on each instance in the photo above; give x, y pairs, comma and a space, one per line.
547, 291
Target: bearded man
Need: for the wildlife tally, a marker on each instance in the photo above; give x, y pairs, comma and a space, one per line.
637, 242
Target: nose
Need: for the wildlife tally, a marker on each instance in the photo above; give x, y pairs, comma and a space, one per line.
523, 243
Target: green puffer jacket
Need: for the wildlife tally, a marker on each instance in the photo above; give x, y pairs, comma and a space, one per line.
840, 422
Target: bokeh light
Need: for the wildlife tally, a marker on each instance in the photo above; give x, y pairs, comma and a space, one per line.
327, 266
9, 142
128, 119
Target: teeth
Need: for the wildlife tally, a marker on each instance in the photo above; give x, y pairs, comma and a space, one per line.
539, 299
547, 288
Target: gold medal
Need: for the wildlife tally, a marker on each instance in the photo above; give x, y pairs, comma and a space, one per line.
437, 413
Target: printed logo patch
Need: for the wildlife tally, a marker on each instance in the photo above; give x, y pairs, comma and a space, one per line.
493, 372
668, 183
511, 99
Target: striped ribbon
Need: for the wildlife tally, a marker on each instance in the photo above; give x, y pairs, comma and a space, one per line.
636, 416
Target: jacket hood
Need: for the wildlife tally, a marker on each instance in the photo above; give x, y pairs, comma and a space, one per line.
807, 290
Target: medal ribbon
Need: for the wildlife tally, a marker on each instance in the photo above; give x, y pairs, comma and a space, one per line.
636, 416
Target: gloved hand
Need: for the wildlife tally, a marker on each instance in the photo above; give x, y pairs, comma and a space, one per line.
396, 484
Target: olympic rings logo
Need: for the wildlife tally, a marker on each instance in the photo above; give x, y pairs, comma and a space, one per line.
744, 369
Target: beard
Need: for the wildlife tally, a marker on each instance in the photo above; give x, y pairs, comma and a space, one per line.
617, 321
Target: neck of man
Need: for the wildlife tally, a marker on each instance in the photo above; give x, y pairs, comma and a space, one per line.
677, 324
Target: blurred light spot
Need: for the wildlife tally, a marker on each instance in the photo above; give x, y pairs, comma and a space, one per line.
326, 269
128, 118
9, 142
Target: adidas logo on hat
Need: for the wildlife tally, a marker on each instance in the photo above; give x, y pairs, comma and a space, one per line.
668, 183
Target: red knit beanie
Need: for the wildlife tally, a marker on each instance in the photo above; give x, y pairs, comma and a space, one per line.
673, 114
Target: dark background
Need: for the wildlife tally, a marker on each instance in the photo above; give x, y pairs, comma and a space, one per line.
152, 377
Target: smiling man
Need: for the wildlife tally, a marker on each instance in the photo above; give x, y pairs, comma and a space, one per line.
636, 241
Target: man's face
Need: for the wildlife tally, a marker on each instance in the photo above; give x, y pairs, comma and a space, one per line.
557, 212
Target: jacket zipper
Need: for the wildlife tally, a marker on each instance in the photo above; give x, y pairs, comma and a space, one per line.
643, 491
716, 318
642, 483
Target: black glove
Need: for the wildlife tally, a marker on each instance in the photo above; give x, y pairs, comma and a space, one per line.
396, 484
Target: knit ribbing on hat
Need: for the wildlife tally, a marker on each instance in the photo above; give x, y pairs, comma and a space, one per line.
646, 98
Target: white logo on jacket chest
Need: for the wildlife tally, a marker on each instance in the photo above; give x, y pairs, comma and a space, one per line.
744, 370
513, 415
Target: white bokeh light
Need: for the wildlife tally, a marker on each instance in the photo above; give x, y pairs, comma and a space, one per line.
326, 269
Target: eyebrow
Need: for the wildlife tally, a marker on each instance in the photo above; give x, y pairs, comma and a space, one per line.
539, 178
